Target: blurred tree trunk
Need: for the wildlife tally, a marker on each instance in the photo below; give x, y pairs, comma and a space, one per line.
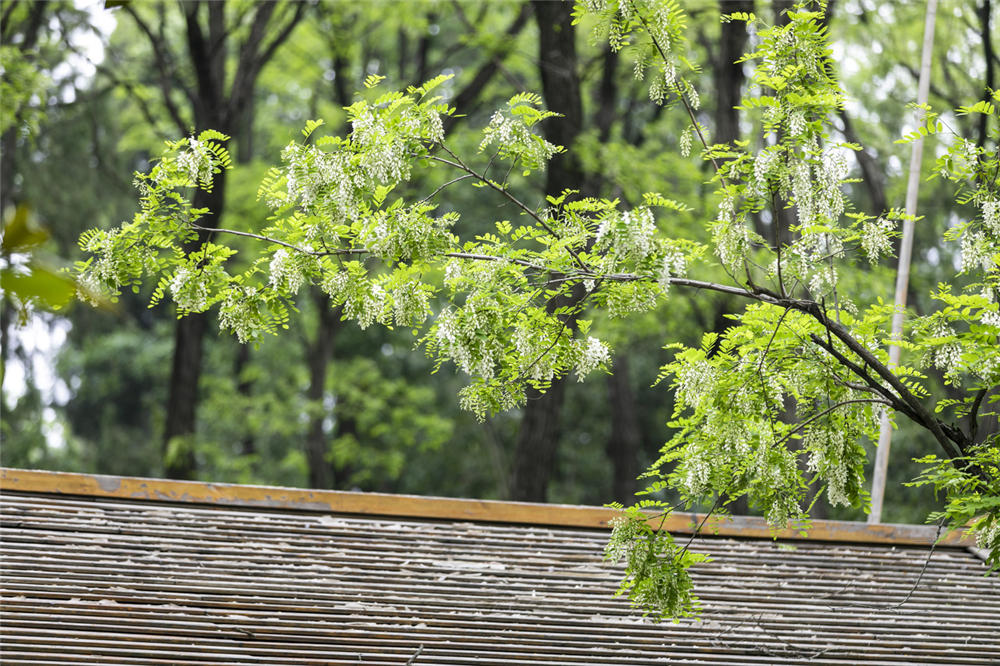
985, 11
319, 353
729, 76
215, 103
540, 430
626, 436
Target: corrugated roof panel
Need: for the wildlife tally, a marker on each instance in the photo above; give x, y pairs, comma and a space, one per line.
122, 581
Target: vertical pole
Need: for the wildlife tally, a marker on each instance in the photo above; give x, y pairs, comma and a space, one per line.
903, 271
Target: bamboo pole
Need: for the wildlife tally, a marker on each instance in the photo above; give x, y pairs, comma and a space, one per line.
903, 270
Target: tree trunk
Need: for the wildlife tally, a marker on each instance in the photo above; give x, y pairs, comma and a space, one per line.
626, 437
318, 356
244, 387
537, 444
229, 112
538, 437
189, 334
729, 76
178, 454
985, 12
873, 175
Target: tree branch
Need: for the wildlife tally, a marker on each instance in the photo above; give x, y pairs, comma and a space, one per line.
459, 164
814, 417
163, 60
466, 97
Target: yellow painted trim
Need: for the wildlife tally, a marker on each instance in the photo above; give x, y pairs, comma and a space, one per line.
412, 506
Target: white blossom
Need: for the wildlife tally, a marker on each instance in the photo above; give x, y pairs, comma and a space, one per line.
977, 251
237, 314
592, 354
286, 273
196, 162
876, 238
991, 216
190, 291
685, 142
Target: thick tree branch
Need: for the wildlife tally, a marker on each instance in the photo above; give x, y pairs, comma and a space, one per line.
466, 97
163, 60
873, 176
255, 54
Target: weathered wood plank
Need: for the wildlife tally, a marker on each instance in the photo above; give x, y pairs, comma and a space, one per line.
522, 513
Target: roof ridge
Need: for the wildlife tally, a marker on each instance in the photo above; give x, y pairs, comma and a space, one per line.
444, 508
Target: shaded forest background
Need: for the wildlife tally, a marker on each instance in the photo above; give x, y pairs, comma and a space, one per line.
128, 389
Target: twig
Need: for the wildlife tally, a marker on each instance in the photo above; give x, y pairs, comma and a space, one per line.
826, 411
450, 182
459, 164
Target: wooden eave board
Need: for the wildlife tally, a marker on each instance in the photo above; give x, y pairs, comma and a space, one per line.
105, 579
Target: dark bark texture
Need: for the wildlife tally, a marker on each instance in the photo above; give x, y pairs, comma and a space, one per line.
540, 430
626, 436
213, 104
318, 356
729, 76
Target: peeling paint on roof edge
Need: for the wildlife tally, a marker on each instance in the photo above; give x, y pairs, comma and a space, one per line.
413, 506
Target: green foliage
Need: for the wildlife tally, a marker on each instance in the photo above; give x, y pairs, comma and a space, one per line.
970, 486
30, 277
21, 82
656, 568
783, 398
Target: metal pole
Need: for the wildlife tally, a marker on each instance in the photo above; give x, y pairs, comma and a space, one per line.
903, 271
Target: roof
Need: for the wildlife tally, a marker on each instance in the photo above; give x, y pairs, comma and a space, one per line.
123, 570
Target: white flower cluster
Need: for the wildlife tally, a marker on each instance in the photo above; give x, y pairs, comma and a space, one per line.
89, 289
990, 315
363, 301
695, 382
321, 183
816, 187
946, 357
828, 456
592, 354
384, 160
533, 347
196, 162
674, 264
238, 314
796, 124
685, 142
629, 235
977, 251
693, 98
465, 337
330, 184
514, 139
823, 280
782, 509
286, 272
109, 265
190, 290
991, 216
366, 304
730, 235
988, 537
406, 233
697, 471
763, 164
876, 238
410, 303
